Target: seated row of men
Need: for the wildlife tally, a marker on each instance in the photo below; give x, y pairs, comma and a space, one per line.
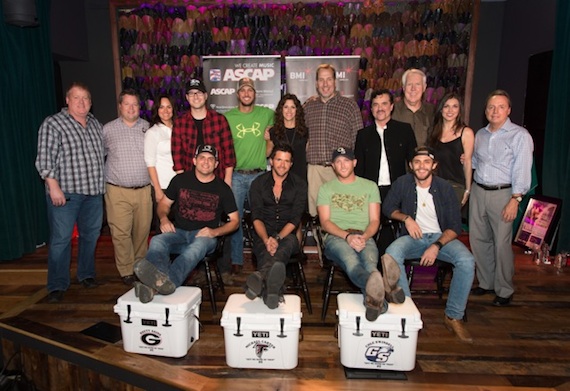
349, 213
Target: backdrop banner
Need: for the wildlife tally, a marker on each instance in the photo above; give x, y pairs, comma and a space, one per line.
300, 75
222, 73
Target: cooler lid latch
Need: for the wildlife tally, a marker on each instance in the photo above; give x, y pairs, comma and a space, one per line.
282, 325
128, 320
167, 314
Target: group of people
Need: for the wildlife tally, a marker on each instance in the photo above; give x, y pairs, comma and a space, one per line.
199, 169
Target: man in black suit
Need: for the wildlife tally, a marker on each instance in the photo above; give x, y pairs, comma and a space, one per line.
383, 151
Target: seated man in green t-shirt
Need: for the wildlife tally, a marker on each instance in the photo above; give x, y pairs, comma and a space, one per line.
349, 211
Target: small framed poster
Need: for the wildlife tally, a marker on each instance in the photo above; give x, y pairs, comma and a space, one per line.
540, 222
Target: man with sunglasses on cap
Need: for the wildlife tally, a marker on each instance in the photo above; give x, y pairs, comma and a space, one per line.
349, 211
200, 199
431, 221
200, 126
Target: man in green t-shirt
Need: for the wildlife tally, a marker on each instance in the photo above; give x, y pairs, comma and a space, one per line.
248, 124
349, 212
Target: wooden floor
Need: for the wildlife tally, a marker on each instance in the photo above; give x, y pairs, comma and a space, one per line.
524, 346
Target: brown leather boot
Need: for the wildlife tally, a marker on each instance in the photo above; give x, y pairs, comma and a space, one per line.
458, 328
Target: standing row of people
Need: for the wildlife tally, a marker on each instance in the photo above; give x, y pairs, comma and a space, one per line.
239, 143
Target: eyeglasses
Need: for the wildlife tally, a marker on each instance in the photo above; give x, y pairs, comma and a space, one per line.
196, 93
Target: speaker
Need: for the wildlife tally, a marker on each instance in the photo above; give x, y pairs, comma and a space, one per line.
21, 13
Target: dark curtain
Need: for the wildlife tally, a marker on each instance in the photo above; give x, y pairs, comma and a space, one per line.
27, 96
556, 172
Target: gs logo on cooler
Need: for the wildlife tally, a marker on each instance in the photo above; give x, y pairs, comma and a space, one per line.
379, 352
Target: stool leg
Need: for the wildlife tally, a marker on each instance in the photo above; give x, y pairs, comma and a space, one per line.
327, 292
210, 287
303, 283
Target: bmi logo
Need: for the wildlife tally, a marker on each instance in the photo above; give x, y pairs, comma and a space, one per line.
379, 352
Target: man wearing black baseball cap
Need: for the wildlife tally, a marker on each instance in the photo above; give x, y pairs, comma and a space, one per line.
200, 126
431, 221
201, 199
349, 211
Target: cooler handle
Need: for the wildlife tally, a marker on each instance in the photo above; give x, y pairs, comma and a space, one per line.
167, 314
128, 320
238, 321
357, 333
403, 335
282, 324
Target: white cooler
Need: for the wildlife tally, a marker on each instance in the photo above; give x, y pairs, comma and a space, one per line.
257, 337
389, 343
167, 326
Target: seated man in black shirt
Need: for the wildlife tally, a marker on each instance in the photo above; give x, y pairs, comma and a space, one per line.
277, 201
201, 199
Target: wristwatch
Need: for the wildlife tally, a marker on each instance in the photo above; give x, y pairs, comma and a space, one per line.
277, 237
518, 198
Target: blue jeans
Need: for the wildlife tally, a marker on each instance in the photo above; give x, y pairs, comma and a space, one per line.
454, 252
357, 265
240, 186
87, 212
191, 251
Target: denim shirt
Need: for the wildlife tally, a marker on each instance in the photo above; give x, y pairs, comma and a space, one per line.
403, 197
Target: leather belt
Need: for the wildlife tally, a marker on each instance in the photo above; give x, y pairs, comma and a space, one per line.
249, 172
491, 188
128, 187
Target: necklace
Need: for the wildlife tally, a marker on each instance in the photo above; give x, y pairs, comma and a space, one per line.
290, 142
422, 199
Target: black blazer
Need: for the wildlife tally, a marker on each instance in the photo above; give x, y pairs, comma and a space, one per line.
400, 144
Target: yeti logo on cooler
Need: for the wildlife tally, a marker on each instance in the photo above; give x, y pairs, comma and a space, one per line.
260, 334
150, 339
379, 352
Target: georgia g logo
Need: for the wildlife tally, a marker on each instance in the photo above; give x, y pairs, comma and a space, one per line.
150, 339
379, 354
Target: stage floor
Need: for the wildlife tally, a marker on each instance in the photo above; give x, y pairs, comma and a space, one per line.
523, 346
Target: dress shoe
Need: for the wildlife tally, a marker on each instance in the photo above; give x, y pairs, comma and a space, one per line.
150, 276
227, 279
90, 283
273, 284
55, 296
458, 328
502, 301
254, 285
391, 275
129, 280
374, 300
143, 292
236, 269
481, 291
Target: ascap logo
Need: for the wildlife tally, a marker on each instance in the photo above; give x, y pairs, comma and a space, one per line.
222, 91
378, 352
255, 74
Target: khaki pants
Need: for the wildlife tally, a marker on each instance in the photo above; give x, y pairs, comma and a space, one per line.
316, 176
129, 214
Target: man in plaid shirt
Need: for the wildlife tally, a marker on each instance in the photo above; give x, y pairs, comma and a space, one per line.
201, 126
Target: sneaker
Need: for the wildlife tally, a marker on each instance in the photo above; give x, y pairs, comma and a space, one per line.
254, 285
128, 280
458, 328
273, 283
150, 276
143, 292
391, 276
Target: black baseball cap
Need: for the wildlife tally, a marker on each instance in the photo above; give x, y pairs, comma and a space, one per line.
195, 84
424, 151
206, 148
342, 151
